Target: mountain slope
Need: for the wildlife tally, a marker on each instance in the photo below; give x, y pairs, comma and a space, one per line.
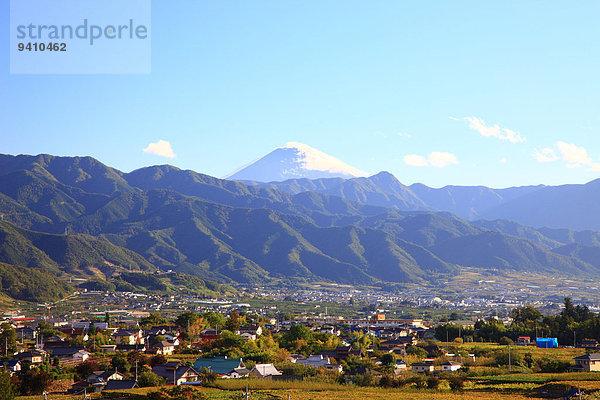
497, 251
382, 190
29, 284
77, 255
567, 206
225, 231
468, 202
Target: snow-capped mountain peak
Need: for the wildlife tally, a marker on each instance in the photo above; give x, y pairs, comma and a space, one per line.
293, 161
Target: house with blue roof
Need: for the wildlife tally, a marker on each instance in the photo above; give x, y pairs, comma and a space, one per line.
221, 365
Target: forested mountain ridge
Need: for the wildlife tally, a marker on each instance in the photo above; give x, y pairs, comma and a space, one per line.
226, 231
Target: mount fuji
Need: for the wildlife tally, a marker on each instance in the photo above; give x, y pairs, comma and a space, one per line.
294, 161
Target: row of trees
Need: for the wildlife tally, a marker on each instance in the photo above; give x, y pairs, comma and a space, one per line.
573, 323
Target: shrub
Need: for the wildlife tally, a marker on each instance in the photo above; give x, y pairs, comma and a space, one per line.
367, 379
550, 365
387, 381
418, 381
456, 384
433, 382
501, 358
149, 378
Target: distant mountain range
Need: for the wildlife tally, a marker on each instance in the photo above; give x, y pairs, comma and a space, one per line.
77, 216
567, 206
299, 168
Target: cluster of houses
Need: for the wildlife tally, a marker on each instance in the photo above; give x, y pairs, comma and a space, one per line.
395, 336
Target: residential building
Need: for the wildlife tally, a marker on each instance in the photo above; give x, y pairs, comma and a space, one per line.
176, 373
105, 376
588, 362
222, 366
70, 355
523, 341
316, 361
164, 348
451, 366
422, 367
33, 356
265, 371
129, 337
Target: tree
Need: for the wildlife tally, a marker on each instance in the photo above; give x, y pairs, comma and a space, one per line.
153, 319
569, 310
149, 378
234, 321
388, 359
158, 359
191, 323
298, 331
416, 351
7, 389
35, 381
158, 339
526, 315
505, 341
46, 329
8, 339
120, 363
214, 320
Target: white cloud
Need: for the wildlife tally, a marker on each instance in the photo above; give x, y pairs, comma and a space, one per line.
496, 131
503, 160
545, 155
574, 154
441, 160
404, 135
161, 148
435, 159
415, 160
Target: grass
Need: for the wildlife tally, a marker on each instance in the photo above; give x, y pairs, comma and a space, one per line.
541, 377
265, 384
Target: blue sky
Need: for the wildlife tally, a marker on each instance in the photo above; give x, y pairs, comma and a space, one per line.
457, 92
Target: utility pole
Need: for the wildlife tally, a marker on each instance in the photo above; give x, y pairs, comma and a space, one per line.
574, 341
136, 370
509, 366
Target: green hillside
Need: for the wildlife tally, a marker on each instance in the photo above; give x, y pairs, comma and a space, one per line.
31, 284
224, 231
